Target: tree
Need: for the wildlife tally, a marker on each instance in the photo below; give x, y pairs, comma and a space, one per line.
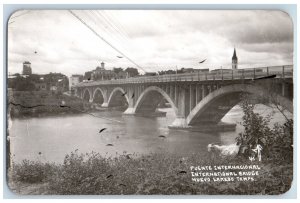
25, 85
117, 70
132, 72
88, 75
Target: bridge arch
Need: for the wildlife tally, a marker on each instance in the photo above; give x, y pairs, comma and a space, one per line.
99, 96
208, 109
117, 95
150, 98
87, 95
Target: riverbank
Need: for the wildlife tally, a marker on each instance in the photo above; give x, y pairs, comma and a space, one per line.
43, 103
154, 174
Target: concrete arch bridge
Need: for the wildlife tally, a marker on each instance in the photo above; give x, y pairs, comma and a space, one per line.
199, 100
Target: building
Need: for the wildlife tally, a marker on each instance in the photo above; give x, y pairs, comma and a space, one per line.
150, 73
75, 79
220, 71
187, 70
121, 75
234, 61
100, 73
205, 70
27, 68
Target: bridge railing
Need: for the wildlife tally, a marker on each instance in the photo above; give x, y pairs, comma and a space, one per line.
221, 74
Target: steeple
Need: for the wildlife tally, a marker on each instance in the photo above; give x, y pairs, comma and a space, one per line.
234, 55
234, 60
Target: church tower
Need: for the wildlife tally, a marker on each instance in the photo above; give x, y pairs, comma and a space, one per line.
234, 61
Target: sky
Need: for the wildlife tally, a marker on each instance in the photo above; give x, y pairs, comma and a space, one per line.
150, 40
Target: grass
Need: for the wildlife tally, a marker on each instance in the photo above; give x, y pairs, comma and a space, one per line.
154, 174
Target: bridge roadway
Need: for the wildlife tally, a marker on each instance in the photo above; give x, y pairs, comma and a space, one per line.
199, 100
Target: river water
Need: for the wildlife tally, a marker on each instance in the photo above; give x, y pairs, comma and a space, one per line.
49, 139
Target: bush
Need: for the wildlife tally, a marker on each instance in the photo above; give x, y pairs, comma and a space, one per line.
32, 172
276, 143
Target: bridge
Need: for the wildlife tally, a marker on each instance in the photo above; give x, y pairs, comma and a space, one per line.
198, 99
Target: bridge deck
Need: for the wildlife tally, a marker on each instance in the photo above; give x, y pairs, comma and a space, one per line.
226, 74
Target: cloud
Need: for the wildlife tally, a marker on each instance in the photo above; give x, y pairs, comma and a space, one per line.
154, 39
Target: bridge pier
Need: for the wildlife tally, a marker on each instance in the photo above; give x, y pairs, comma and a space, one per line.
129, 111
104, 104
179, 123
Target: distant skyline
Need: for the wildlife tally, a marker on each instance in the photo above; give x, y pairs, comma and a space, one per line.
56, 41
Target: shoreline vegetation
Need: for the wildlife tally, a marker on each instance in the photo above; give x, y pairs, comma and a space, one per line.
165, 173
35, 104
42, 103
153, 174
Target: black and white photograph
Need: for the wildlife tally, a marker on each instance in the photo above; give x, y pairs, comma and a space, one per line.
149, 102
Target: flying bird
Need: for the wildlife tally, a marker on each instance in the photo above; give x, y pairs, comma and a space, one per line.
109, 145
132, 96
109, 176
120, 57
162, 136
181, 172
100, 131
35, 52
40, 153
202, 61
124, 94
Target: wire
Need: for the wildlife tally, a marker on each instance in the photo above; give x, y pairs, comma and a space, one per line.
112, 46
107, 29
117, 23
112, 25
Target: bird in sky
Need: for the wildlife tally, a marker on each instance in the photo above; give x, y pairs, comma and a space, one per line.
202, 61
35, 52
120, 57
100, 131
162, 136
109, 145
109, 176
132, 95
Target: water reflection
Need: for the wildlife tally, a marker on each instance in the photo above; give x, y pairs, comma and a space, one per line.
51, 138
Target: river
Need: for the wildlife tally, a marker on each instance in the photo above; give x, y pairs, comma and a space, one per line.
49, 139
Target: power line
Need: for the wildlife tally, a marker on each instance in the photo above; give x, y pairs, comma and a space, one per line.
82, 21
108, 25
108, 29
113, 19
106, 33
112, 25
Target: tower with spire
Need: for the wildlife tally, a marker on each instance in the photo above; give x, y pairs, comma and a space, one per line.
234, 61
